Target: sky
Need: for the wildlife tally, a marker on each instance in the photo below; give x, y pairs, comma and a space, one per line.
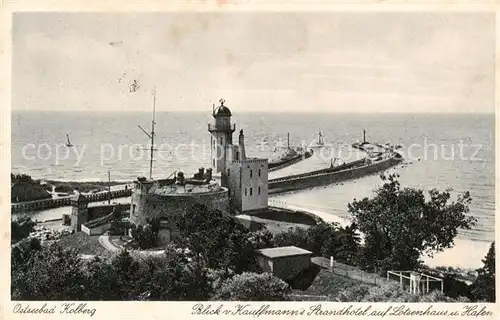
257, 62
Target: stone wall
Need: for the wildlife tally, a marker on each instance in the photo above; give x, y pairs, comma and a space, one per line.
154, 206
313, 180
96, 212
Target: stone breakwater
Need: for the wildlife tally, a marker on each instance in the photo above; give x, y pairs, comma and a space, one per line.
353, 170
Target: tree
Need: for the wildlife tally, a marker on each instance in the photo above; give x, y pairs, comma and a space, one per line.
51, 273
323, 239
295, 236
218, 239
145, 236
176, 275
21, 228
483, 288
400, 225
253, 287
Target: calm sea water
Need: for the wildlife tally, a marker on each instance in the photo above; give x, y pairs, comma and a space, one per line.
442, 151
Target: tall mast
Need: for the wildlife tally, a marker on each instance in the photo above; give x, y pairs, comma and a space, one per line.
151, 135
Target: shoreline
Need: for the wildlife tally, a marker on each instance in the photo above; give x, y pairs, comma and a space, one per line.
452, 257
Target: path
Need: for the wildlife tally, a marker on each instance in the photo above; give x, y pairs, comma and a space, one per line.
104, 241
325, 216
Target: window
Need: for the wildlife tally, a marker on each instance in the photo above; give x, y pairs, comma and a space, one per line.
251, 173
259, 189
228, 171
237, 155
213, 162
245, 192
250, 190
133, 209
259, 173
221, 140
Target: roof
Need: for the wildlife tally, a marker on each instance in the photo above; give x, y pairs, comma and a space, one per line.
282, 252
173, 189
222, 110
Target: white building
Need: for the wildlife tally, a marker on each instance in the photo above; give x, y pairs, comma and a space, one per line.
246, 178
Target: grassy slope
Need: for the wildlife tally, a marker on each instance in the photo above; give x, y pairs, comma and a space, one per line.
28, 191
321, 282
84, 244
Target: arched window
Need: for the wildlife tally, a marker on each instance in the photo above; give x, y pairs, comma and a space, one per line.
259, 189
250, 191
259, 173
251, 173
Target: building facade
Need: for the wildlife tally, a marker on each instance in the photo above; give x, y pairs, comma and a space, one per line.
79, 211
245, 178
164, 198
283, 262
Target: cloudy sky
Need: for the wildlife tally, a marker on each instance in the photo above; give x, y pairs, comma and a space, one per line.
327, 62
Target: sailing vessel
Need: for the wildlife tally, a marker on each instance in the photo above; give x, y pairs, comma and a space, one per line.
321, 141
68, 142
288, 156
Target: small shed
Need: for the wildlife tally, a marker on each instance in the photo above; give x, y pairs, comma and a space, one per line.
283, 262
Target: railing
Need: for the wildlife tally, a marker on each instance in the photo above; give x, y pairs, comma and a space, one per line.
349, 271
221, 128
278, 203
66, 201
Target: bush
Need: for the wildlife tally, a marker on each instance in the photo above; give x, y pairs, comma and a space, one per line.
253, 287
391, 292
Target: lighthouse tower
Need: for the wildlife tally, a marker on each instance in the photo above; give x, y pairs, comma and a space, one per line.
222, 136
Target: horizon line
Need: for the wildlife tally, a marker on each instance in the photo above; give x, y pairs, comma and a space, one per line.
258, 111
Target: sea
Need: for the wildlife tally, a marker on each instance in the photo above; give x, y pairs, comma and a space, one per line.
443, 151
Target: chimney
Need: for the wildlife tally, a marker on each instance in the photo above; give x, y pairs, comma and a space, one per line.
180, 178
241, 142
209, 174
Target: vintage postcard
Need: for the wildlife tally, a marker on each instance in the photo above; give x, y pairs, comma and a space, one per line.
248, 160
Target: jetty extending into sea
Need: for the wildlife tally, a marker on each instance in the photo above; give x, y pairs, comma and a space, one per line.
334, 174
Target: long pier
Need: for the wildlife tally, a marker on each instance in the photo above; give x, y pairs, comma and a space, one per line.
66, 201
348, 171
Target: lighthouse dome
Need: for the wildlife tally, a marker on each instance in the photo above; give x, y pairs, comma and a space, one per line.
222, 110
